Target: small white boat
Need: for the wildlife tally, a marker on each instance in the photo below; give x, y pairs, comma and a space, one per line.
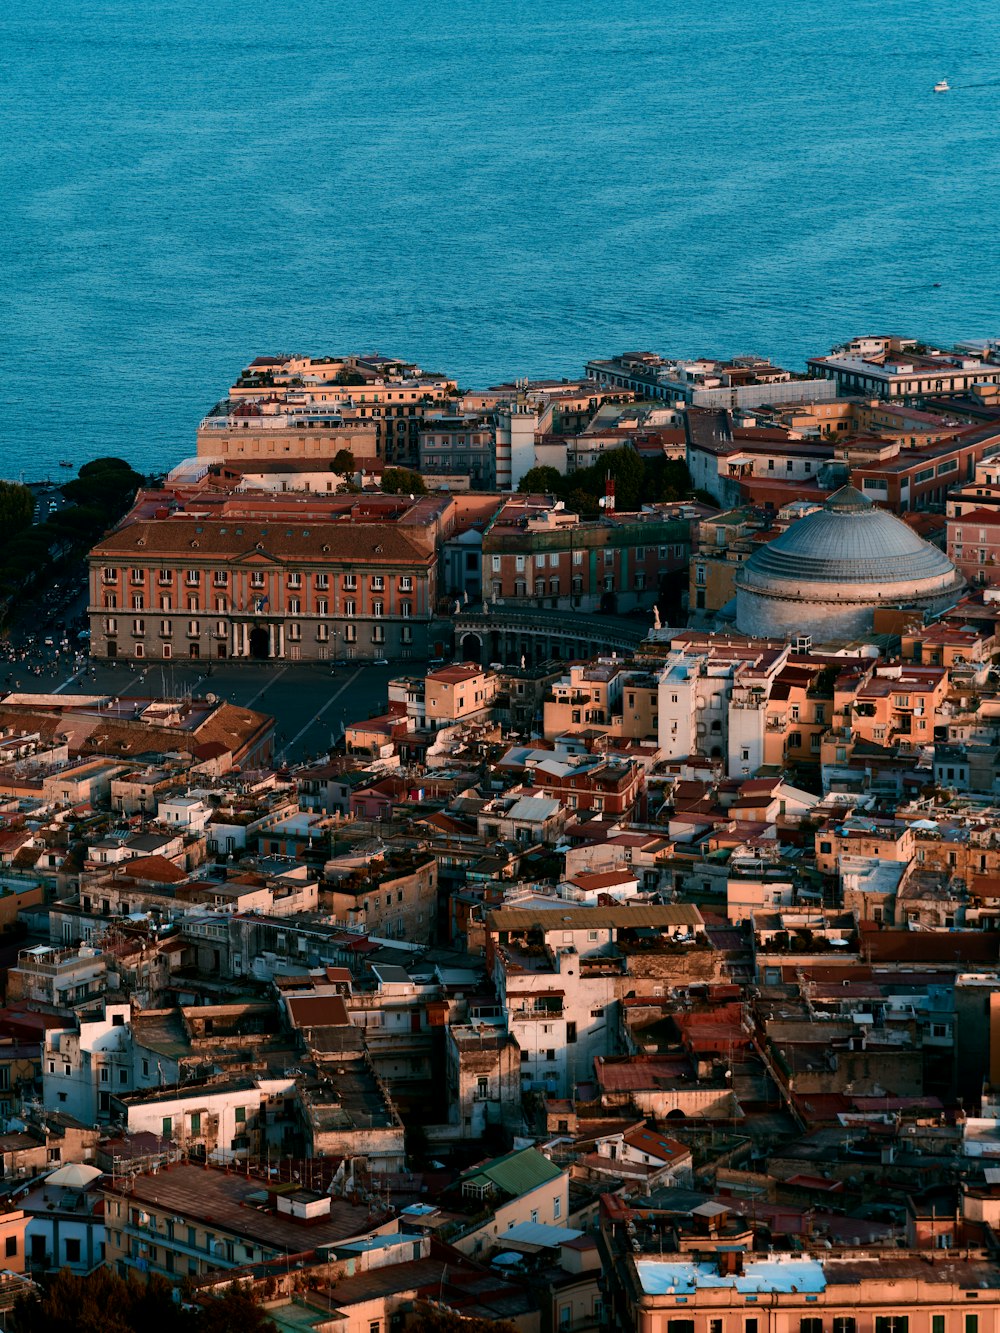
943, 87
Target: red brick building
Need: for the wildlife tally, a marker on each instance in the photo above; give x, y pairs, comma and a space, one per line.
266, 577
974, 545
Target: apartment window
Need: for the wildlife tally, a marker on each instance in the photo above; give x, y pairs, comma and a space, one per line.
323, 633
10, 1246
378, 583
406, 583
105, 1074
350, 633
123, 1076
577, 557
971, 1323
350, 608
570, 1033
699, 573
846, 1323
519, 563
193, 627
138, 627
406, 609
750, 1326
322, 607
810, 1326
937, 1324
378, 608
138, 575
556, 1206
295, 580
378, 634
110, 602
715, 1326
295, 606
350, 581
72, 1249
138, 602
220, 578
534, 1214
406, 634
195, 1122
257, 581
165, 578
109, 575
322, 580
294, 632
892, 1323
495, 564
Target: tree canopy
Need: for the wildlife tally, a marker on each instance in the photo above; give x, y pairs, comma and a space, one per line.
106, 1303
106, 485
343, 462
638, 481
17, 507
401, 481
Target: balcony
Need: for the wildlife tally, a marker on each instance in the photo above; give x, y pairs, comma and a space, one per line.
536, 1015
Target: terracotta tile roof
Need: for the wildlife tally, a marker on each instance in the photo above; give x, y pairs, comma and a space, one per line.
285, 538
155, 868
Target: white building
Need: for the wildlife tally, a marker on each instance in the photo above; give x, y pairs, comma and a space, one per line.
82, 1067
219, 1121
693, 705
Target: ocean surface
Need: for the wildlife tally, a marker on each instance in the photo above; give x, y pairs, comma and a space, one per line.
488, 188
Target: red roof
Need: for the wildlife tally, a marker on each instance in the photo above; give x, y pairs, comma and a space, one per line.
156, 868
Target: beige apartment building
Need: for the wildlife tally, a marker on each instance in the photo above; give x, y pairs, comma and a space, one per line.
457, 693
860, 1291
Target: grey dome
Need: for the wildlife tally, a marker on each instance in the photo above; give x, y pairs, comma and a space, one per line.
848, 541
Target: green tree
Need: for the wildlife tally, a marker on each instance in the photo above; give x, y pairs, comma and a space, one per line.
349, 377
17, 507
107, 485
542, 480
109, 464
401, 481
343, 463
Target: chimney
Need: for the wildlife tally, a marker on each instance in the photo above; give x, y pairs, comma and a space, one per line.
730, 1262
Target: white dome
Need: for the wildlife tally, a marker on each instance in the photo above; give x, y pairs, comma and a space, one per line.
828, 571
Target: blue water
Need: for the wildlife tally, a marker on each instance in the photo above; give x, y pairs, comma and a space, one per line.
489, 188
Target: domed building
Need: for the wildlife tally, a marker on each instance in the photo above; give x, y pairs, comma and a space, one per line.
827, 572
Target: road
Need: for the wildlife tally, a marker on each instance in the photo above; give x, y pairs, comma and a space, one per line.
310, 702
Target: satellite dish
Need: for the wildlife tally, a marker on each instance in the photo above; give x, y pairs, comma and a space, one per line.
211, 699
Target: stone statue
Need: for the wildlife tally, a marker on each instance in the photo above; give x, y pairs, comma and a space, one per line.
522, 661
656, 618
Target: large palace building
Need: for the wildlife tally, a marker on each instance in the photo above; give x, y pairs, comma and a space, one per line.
263, 577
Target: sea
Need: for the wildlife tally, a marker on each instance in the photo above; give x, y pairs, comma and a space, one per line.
490, 189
